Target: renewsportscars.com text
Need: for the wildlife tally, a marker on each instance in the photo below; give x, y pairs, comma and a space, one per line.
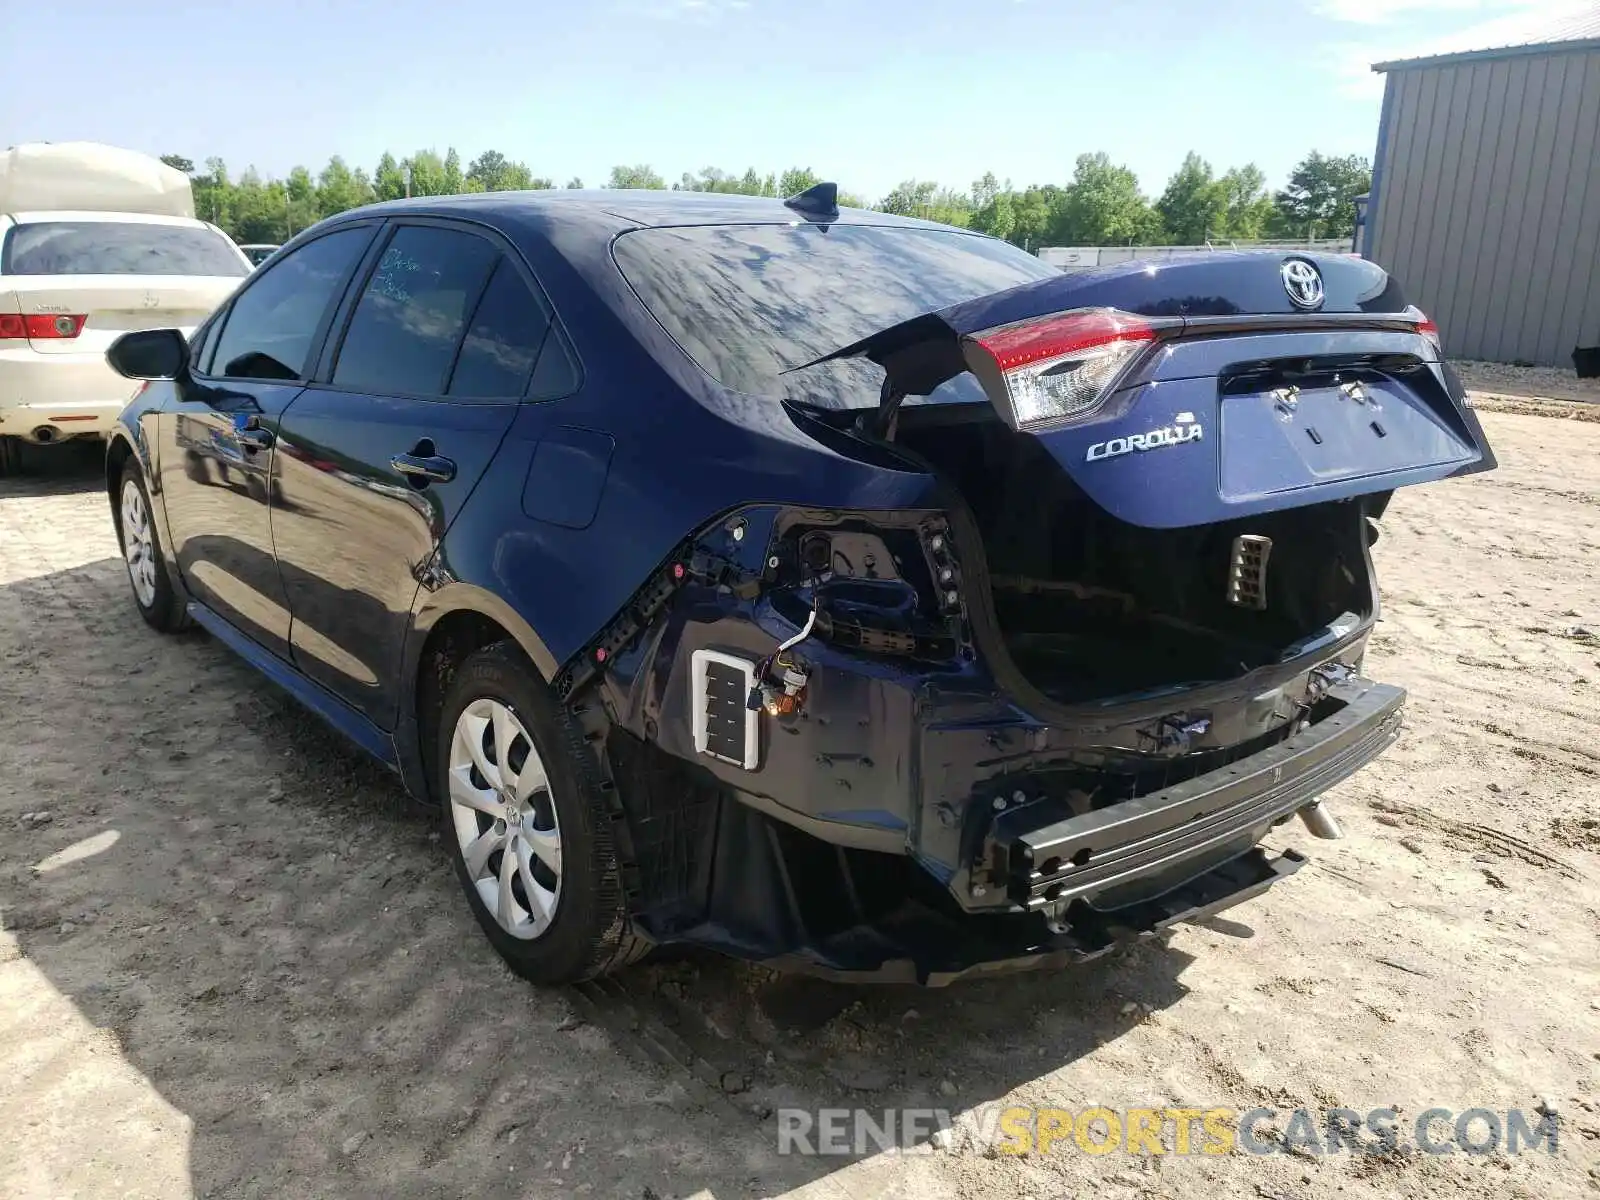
1178, 1131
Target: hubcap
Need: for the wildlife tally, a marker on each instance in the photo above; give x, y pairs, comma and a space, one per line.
505, 818
138, 546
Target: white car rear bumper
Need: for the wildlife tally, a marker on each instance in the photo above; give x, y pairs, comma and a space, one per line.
68, 393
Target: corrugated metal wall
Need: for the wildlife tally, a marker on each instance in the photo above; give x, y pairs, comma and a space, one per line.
1487, 198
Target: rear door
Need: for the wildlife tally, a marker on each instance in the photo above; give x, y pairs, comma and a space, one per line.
216, 454
378, 456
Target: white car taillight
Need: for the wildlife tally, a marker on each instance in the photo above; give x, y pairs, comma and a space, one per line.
1060, 367
40, 326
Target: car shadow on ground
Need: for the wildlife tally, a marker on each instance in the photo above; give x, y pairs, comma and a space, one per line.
73, 466
242, 905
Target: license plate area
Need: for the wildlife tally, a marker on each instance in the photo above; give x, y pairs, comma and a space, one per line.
1283, 438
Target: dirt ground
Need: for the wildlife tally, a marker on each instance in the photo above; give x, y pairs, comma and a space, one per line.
1550, 383
226, 970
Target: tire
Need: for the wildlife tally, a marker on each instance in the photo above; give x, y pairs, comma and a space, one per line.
142, 554
10, 456
578, 928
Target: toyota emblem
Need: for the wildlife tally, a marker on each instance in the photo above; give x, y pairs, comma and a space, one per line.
1303, 282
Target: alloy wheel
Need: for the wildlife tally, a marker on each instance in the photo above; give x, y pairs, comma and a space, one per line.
505, 818
138, 544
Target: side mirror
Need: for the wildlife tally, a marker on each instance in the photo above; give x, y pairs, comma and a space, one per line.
149, 354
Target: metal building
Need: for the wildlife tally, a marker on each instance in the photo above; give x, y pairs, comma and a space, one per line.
1485, 194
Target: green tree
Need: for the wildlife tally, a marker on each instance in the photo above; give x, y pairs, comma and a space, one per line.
1103, 206
998, 218
796, 180
261, 209
1033, 215
388, 180
452, 173
488, 171
575, 184
300, 201
1249, 207
179, 163
340, 189
427, 174
986, 190
213, 194
1194, 208
641, 176
912, 198
1319, 199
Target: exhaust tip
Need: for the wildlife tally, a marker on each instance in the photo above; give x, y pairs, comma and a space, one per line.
44, 434
1319, 822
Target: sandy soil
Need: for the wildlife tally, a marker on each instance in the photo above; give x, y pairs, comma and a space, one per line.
1551, 383
226, 970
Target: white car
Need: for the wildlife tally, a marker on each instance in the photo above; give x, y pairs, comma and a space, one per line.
71, 283
259, 252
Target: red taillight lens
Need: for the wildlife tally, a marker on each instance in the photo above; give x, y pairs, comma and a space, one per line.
1066, 336
1061, 367
1425, 326
42, 326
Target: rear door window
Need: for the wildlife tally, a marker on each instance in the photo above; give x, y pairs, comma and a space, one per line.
749, 303
118, 248
269, 329
404, 333
503, 343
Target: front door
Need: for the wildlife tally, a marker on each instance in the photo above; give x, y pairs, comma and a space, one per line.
378, 457
217, 459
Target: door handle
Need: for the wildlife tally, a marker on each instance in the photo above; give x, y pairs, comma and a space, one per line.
250, 435
424, 467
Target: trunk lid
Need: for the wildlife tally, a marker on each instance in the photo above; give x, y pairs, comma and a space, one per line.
112, 305
1243, 382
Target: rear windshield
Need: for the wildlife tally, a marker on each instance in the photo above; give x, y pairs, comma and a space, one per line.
117, 248
749, 302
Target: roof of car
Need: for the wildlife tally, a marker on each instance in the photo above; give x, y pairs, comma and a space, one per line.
630, 208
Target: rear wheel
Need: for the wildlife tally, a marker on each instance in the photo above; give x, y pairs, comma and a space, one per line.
10, 456
158, 603
526, 824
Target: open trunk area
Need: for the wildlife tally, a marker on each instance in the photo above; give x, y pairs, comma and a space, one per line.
1091, 607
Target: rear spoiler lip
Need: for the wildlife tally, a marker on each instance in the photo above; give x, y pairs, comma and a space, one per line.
938, 335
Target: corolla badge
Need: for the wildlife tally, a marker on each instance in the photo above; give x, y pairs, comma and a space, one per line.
1184, 428
1303, 282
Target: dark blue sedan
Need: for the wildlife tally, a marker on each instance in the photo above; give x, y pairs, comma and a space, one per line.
844, 592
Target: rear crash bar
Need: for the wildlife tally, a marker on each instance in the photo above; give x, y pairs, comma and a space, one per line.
1155, 836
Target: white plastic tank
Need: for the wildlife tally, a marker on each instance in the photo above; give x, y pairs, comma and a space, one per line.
89, 177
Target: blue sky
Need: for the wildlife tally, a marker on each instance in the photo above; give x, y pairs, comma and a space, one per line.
867, 92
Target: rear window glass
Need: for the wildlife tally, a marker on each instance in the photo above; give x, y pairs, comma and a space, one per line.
117, 248
749, 302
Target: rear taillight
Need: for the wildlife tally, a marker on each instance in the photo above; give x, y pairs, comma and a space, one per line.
1425, 326
1060, 367
40, 326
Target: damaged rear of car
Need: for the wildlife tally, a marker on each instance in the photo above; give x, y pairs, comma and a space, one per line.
1082, 623
840, 591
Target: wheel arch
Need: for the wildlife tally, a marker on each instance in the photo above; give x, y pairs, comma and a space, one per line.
449, 625
119, 449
